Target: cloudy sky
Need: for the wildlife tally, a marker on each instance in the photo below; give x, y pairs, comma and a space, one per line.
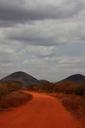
43, 38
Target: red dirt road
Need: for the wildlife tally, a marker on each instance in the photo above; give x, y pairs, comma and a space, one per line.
42, 111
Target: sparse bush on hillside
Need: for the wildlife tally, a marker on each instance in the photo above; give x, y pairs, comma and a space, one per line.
69, 87
80, 91
3, 91
13, 85
7, 87
47, 87
14, 99
10, 96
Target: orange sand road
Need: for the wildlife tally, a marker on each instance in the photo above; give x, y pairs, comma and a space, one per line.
42, 112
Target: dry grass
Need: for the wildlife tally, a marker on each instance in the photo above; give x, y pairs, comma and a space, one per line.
14, 99
70, 87
8, 87
10, 96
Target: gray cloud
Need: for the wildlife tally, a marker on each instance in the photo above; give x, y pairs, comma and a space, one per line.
52, 63
48, 33
12, 12
43, 38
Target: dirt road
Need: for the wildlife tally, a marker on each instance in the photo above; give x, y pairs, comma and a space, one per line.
42, 111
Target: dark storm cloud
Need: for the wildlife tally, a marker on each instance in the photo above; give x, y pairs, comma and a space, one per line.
15, 12
36, 41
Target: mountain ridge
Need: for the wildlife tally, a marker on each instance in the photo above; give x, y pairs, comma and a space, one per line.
23, 77
76, 78
74, 84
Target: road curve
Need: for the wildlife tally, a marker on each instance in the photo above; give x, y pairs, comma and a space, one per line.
42, 111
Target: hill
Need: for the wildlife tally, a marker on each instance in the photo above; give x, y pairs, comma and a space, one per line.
74, 84
77, 78
22, 77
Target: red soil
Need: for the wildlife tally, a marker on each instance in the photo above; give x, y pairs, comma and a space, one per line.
42, 112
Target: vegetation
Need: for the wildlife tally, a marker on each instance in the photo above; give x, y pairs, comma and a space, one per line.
48, 88
10, 96
74, 104
14, 99
70, 87
7, 87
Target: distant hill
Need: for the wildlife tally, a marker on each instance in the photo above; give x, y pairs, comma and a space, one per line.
76, 78
22, 77
73, 84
